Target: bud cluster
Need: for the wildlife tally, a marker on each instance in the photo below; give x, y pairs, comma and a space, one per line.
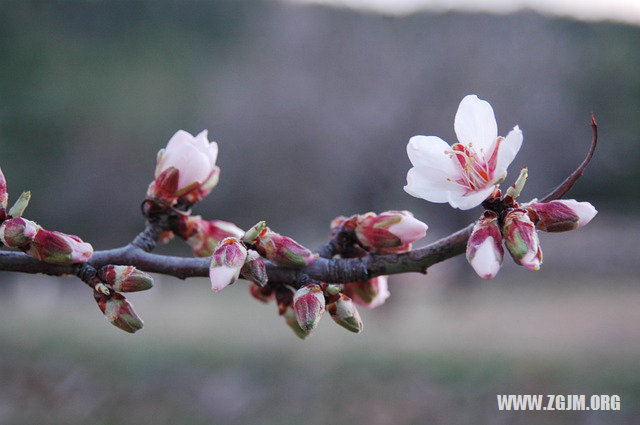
111, 280
48, 246
26, 235
303, 311
518, 225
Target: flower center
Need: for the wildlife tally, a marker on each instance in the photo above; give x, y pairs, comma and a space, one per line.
476, 168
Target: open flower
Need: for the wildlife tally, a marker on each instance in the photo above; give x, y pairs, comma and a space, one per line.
186, 168
465, 173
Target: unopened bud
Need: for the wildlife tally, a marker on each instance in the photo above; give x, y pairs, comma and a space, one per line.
308, 304
370, 294
59, 248
291, 320
226, 262
264, 294
126, 278
18, 232
343, 311
484, 247
118, 311
389, 230
21, 205
283, 250
562, 215
254, 269
521, 239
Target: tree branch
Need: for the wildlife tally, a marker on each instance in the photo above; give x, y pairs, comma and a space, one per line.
332, 270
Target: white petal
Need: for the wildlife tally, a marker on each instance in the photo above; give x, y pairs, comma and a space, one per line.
486, 261
470, 200
222, 276
202, 140
475, 123
179, 139
192, 164
431, 152
507, 151
426, 184
409, 229
584, 210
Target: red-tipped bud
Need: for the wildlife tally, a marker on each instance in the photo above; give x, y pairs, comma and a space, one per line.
264, 294
389, 231
521, 239
282, 250
186, 169
370, 294
59, 248
226, 262
204, 235
343, 311
18, 233
118, 311
4, 196
562, 215
254, 269
484, 247
308, 304
291, 321
126, 278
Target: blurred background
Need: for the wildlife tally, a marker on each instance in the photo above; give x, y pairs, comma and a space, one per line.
312, 107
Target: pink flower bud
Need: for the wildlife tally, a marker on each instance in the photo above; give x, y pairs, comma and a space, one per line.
226, 262
18, 233
282, 250
343, 311
389, 230
126, 278
370, 294
4, 196
186, 168
308, 305
59, 248
521, 239
484, 248
291, 321
264, 294
254, 269
562, 215
203, 235
118, 311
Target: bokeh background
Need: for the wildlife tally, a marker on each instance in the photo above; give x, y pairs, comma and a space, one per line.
312, 107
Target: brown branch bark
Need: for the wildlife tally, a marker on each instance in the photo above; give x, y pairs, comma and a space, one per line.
332, 270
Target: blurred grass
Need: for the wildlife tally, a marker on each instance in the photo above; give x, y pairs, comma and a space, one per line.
229, 359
